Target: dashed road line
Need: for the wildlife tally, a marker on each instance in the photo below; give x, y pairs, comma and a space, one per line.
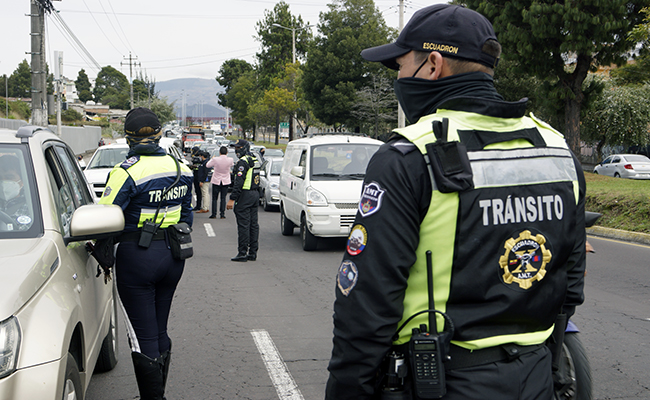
209, 230
284, 384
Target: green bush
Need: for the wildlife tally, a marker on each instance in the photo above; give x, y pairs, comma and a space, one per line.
70, 115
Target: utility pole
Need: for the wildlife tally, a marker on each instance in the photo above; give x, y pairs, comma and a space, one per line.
132, 62
39, 78
58, 78
401, 119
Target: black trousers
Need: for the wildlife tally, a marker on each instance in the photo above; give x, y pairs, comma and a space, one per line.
525, 378
248, 229
146, 282
222, 191
197, 191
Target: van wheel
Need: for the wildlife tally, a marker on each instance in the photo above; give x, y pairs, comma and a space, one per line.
72, 383
108, 354
309, 241
286, 226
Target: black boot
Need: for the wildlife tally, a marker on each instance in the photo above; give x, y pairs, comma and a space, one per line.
166, 360
149, 374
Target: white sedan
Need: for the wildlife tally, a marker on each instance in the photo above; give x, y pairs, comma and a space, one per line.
631, 166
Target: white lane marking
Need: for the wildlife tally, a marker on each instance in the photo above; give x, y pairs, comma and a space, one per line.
284, 384
209, 230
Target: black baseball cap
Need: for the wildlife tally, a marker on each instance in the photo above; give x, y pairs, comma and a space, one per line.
139, 118
453, 31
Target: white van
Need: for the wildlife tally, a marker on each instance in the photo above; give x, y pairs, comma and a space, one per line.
320, 184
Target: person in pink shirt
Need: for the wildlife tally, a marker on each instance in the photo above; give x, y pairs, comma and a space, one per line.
220, 180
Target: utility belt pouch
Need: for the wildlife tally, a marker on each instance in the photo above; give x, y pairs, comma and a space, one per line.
448, 161
180, 241
149, 229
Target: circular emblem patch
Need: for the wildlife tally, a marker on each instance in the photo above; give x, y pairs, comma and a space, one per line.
357, 240
347, 277
524, 260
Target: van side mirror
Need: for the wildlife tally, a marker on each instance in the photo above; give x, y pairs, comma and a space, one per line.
298, 171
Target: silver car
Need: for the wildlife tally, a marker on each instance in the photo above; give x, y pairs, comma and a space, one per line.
57, 319
632, 166
270, 183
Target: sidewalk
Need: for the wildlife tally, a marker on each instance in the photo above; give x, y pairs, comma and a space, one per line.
619, 234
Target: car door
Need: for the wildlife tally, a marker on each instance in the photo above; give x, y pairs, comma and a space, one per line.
71, 192
614, 168
604, 167
297, 186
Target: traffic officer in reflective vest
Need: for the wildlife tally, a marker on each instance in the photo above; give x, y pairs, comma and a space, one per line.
495, 196
245, 199
147, 276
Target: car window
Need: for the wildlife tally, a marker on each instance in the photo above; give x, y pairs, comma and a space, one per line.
276, 167
273, 153
108, 157
616, 160
347, 160
303, 159
70, 191
638, 158
19, 210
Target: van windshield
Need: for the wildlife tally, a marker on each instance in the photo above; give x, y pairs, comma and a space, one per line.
343, 161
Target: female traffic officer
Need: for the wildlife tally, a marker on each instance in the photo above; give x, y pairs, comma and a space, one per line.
147, 276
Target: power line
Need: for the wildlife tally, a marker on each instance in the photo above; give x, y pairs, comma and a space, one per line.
74, 41
101, 30
120, 25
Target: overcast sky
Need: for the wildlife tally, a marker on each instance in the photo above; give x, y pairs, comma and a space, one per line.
171, 39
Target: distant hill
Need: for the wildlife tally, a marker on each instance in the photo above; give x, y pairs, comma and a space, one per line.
200, 94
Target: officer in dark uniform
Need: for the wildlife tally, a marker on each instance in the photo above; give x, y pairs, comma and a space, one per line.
495, 196
245, 199
196, 163
147, 276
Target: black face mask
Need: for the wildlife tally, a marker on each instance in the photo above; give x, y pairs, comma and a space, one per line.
419, 97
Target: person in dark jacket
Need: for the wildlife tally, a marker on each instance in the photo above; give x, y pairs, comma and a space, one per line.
496, 198
245, 198
203, 176
146, 273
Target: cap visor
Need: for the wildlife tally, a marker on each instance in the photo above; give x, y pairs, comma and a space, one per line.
386, 54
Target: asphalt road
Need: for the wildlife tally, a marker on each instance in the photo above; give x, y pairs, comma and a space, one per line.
222, 309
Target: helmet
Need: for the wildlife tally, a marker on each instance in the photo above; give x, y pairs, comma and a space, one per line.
242, 147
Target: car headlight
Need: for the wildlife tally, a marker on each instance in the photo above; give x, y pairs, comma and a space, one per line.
315, 198
9, 345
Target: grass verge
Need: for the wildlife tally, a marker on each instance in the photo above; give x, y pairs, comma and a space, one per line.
624, 203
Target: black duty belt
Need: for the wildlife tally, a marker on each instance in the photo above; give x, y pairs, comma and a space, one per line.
135, 236
463, 358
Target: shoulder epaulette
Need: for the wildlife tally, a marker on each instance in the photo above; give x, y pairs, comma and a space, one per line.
403, 146
129, 162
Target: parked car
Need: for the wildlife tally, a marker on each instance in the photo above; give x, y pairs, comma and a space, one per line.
320, 184
58, 321
106, 157
270, 183
631, 166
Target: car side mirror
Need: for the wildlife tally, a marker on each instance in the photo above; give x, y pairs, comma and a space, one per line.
95, 221
298, 171
263, 173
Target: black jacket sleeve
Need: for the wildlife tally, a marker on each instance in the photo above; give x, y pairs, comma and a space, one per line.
240, 170
366, 318
576, 265
203, 172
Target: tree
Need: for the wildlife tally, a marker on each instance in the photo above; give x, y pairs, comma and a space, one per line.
335, 71
160, 107
20, 81
619, 116
227, 76
277, 42
639, 71
83, 86
244, 93
376, 104
563, 40
112, 88
144, 88
3, 84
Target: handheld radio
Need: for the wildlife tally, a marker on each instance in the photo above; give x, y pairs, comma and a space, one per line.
426, 351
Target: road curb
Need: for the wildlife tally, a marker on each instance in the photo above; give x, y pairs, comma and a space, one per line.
619, 234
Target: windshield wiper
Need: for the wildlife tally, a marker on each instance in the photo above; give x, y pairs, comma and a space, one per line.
355, 176
327, 174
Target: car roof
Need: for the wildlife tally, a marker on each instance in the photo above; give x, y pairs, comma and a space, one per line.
335, 138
